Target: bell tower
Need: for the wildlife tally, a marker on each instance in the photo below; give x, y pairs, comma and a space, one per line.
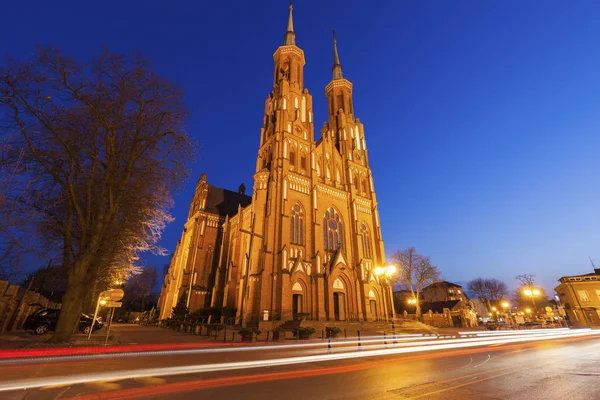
288, 108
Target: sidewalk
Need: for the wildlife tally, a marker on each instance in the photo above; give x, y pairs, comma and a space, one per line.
27, 340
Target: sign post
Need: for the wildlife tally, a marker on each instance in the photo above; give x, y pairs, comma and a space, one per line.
114, 295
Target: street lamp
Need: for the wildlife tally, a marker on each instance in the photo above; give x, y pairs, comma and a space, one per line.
532, 292
505, 307
412, 301
387, 272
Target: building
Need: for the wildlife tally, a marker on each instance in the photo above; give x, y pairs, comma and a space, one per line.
443, 291
308, 242
580, 297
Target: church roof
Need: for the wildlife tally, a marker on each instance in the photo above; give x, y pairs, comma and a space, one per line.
225, 202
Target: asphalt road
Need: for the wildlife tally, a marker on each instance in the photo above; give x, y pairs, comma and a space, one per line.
550, 369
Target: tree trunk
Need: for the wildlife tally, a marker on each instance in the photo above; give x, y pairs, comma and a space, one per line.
72, 303
69, 312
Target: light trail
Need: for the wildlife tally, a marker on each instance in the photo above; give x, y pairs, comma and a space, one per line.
513, 332
158, 353
335, 343
192, 369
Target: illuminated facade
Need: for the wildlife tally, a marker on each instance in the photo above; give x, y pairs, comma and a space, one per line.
310, 240
580, 296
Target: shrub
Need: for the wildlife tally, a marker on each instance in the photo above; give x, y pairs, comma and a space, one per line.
248, 331
305, 331
332, 331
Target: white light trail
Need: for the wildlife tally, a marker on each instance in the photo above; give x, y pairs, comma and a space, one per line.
193, 369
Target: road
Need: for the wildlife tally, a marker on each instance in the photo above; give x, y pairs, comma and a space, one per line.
495, 367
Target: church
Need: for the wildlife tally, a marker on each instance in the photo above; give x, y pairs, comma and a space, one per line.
307, 243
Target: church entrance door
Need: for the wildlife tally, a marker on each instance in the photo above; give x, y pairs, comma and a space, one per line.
296, 304
373, 306
339, 306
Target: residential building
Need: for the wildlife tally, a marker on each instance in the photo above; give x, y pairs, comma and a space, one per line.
443, 291
580, 297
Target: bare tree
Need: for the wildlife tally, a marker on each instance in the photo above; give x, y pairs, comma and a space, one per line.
488, 290
528, 294
142, 284
104, 145
526, 279
415, 272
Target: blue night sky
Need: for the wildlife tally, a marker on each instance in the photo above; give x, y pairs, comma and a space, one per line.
482, 117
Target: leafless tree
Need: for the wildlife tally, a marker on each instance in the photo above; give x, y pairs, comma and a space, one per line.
488, 290
526, 279
527, 282
104, 145
142, 284
415, 272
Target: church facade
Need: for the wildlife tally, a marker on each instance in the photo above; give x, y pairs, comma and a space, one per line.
307, 243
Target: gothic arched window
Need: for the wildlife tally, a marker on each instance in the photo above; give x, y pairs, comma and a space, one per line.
297, 225
364, 185
332, 230
292, 156
366, 240
356, 182
303, 160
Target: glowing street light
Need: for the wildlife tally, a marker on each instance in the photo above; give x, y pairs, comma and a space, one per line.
102, 302
388, 272
505, 305
532, 292
412, 301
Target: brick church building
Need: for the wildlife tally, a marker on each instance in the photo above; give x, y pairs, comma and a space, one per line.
308, 241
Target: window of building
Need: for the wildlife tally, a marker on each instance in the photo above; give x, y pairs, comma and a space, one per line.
366, 241
297, 225
598, 293
303, 161
459, 291
451, 292
583, 296
332, 230
292, 157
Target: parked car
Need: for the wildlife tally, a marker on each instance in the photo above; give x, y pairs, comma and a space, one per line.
45, 320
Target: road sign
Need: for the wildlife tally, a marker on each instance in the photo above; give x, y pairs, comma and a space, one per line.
113, 304
115, 294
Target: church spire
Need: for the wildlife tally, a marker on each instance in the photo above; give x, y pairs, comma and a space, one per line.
290, 35
337, 67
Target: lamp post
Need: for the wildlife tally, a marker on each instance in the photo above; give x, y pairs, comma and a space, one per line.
532, 292
385, 275
505, 306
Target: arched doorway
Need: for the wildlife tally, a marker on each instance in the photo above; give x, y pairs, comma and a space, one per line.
339, 300
373, 304
297, 299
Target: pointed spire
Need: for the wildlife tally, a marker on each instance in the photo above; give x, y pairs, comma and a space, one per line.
337, 67
290, 36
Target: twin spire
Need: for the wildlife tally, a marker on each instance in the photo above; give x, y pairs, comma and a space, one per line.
290, 36
290, 40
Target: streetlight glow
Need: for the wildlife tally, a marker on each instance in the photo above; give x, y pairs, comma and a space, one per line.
536, 292
102, 302
379, 271
505, 304
390, 270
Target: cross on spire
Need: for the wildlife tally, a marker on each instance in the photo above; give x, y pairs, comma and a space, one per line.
337, 67
290, 35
